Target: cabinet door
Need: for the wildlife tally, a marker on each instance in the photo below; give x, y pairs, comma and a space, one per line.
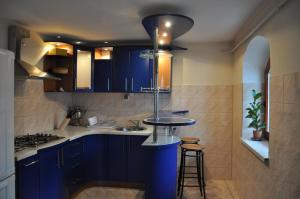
117, 158
51, 173
95, 158
164, 72
138, 70
84, 69
136, 159
73, 153
121, 60
103, 76
27, 182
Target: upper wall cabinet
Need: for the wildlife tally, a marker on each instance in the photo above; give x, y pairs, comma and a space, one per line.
103, 70
107, 69
164, 71
59, 61
84, 68
131, 73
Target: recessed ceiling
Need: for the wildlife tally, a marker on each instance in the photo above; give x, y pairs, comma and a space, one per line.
102, 20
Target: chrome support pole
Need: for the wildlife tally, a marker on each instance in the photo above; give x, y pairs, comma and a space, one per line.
155, 80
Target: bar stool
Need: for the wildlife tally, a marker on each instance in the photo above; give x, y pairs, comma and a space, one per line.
199, 155
185, 140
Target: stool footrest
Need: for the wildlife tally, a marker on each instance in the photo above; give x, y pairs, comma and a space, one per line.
190, 185
191, 156
191, 166
191, 177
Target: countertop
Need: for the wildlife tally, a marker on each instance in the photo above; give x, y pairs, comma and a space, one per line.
72, 133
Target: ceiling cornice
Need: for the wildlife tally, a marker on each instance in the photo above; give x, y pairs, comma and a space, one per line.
258, 15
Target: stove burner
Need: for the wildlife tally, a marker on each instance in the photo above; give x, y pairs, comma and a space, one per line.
33, 141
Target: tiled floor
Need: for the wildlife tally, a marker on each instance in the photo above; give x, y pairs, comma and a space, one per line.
216, 189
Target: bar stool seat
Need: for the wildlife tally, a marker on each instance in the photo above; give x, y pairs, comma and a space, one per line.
192, 147
190, 140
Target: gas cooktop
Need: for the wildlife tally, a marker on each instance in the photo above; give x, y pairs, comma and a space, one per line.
33, 140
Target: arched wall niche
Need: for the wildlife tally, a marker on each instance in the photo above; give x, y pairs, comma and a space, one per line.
255, 60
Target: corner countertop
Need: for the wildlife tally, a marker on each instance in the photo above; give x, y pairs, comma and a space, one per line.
72, 133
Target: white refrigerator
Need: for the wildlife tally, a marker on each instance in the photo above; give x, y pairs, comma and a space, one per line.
7, 167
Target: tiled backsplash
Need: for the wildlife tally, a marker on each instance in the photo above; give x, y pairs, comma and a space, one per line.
280, 179
36, 111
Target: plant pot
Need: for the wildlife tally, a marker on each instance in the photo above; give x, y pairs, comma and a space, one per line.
257, 134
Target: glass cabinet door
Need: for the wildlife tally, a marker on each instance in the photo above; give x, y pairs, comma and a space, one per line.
84, 69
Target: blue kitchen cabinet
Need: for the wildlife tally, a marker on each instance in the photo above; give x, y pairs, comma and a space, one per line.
27, 178
138, 71
51, 173
121, 60
136, 159
95, 168
130, 71
117, 158
161, 175
73, 162
103, 76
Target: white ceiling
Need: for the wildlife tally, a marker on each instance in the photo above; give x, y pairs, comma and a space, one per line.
215, 20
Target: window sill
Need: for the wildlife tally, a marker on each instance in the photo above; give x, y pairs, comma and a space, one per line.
258, 148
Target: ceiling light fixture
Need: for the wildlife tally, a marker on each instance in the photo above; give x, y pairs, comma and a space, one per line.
78, 42
168, 24
161, 42
165, 34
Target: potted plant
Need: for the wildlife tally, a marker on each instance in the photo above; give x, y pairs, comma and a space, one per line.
255, 112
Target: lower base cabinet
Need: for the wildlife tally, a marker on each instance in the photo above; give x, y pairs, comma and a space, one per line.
52, 184
27, 178
60, 171
95, 158
136, 159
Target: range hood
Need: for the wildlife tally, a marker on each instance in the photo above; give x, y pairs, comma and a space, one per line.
24, 70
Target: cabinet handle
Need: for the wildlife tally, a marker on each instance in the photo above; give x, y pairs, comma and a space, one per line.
31, 163
58, 159
126, 84
107, 84
132, 84
62, 157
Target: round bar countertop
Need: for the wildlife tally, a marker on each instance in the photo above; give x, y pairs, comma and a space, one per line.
169, 121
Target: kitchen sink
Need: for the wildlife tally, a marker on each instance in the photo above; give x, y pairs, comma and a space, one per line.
130, 128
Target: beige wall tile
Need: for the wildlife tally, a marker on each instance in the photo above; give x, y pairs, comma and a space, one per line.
292, 88
276, 89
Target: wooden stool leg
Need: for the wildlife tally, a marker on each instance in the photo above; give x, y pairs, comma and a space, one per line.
198, 163
180, 173
202, 174
183, 175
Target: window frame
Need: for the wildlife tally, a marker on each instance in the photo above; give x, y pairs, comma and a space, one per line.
267, 100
